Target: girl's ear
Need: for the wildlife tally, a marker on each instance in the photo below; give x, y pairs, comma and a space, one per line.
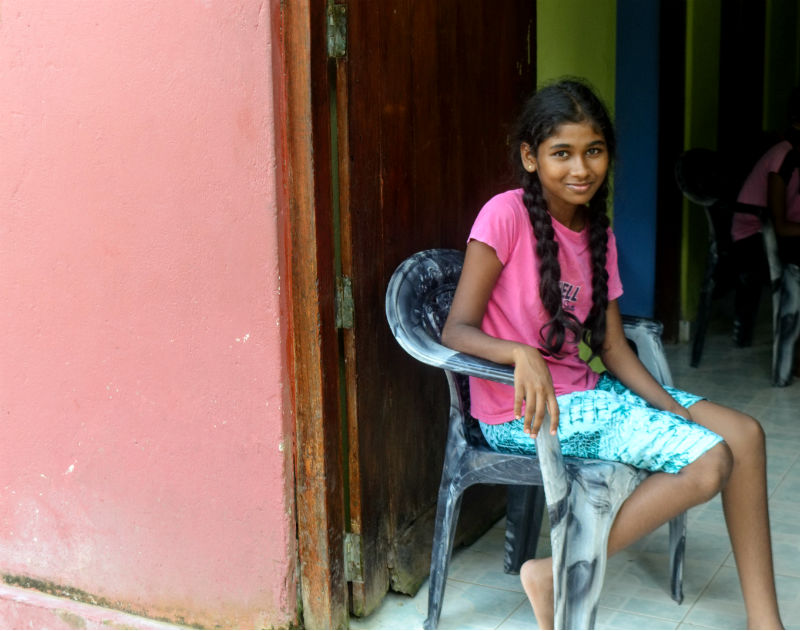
528, 157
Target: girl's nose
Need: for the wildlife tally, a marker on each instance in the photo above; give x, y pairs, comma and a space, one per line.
579, 166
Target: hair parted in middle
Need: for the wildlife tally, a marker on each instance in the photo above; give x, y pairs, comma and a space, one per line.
553, 105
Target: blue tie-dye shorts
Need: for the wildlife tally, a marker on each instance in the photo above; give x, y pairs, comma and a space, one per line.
613, 423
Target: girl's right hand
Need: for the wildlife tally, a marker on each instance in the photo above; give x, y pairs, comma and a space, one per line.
533, 384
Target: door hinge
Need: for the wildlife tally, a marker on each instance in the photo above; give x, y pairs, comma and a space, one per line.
337, 30
353, 561
344, 303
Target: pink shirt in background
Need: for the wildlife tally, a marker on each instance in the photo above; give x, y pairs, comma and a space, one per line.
515, 311
754, 192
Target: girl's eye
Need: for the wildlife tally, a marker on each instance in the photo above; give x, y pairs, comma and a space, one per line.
595, 151
561, 154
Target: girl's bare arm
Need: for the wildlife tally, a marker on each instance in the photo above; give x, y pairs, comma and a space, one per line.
620, 359
776, 201
462, 332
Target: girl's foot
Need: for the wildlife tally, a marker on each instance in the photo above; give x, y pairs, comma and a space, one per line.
536, 576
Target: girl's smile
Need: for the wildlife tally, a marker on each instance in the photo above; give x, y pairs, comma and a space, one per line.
572, 164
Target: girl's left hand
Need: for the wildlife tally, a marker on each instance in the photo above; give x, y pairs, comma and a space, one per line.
682, 411
533, 385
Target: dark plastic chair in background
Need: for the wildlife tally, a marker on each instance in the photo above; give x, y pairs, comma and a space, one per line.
704, 180
582, 496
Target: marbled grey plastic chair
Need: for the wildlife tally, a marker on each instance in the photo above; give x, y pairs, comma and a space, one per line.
785, 287
583, 496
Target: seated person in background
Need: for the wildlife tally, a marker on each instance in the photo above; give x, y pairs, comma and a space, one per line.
773, 185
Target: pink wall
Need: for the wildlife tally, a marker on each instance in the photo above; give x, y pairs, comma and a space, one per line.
144, 417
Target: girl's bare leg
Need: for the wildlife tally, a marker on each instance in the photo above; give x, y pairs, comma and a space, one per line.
740, 463
744, 501
655, 501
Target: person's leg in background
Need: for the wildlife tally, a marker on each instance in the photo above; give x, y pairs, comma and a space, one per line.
751, 273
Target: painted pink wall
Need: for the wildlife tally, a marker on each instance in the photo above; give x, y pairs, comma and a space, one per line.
144, 422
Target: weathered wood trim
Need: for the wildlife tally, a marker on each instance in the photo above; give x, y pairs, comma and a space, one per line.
318, 448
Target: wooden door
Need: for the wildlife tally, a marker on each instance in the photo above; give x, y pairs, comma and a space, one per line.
424, 99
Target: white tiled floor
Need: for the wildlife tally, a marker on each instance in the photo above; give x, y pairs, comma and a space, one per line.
480, 596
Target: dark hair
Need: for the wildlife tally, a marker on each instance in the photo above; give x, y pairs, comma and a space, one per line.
566, 101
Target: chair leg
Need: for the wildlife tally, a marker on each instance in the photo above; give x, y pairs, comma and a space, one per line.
704, 308
447, 511
524, 511
677, 548
788, 327
579, 536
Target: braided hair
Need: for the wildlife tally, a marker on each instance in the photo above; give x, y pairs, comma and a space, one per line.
567, 101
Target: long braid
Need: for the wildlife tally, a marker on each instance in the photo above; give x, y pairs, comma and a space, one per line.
567, 101
595, 323
555, 330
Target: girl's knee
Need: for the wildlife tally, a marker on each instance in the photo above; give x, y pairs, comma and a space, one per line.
752, 432
742, 432
711, 471
747, 439
724, 462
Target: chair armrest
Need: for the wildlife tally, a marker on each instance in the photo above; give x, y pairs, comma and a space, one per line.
548, 448
645, 333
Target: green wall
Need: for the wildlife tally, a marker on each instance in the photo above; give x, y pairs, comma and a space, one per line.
700, 130
578, 38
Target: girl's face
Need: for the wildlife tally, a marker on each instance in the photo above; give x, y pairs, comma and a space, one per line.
572, 165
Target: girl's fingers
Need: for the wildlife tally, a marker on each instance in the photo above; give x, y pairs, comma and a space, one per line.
538, 416
535, 410
529, 408
552, 406
518, 398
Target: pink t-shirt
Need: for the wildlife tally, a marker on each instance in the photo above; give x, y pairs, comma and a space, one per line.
515, 311
754, 192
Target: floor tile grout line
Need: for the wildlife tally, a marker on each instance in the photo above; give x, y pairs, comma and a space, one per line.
784, 476
515, 610
676, 623
495, 587
703, 591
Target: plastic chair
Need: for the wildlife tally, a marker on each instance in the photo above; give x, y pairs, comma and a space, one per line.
703, 179
583, 496
785, 289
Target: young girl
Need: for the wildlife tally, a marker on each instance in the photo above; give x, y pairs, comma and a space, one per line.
540, 274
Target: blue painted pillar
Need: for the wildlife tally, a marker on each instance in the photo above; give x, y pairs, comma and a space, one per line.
635, 178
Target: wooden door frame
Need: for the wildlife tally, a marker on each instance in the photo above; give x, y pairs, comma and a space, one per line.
302, 79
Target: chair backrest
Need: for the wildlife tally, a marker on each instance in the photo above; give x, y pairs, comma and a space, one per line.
700, 176
418, 302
